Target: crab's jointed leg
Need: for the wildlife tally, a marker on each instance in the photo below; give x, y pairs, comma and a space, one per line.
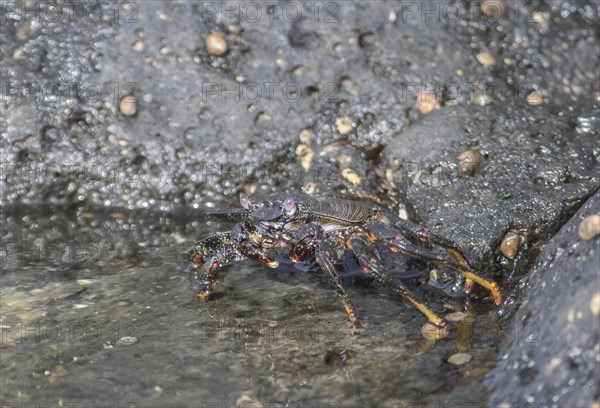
327, 254
425, 235
383, 228
459, 263
368, 258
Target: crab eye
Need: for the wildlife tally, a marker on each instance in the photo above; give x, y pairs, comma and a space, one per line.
244, 201
289, 206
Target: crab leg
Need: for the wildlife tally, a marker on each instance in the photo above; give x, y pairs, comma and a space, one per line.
452, 249
459, 264
326, 254
425, 235
369, 260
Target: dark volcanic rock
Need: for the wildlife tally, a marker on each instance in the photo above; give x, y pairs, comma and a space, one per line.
208, 125
550, 356
205, 125
538, 169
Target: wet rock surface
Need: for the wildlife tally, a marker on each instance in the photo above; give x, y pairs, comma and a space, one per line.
553, 361
524, 159
118, 124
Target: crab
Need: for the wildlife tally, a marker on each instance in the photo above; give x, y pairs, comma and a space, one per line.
310, 229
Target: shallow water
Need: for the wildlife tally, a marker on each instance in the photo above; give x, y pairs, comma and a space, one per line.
96, 308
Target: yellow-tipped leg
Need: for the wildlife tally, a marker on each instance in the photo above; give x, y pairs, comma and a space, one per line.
468, 286
351, 314
431, 315
485, 282
369, 260
473, 277
203, 296
326, 256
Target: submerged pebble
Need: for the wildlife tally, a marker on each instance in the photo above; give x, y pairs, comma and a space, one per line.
459, 358
56, 373
127, 341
